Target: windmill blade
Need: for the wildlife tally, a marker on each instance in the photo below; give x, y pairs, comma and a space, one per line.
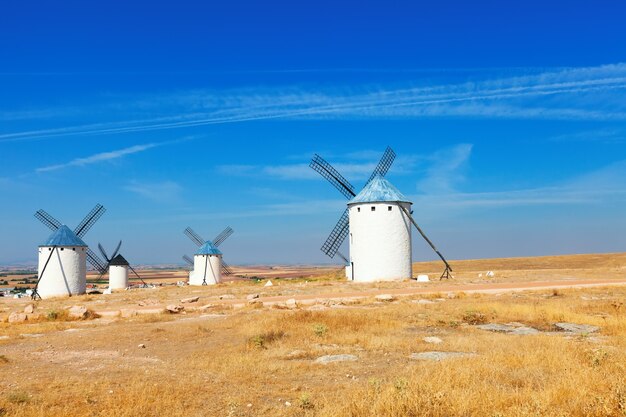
384, 164
432, 245
103, 252
333, 176
96, 262
337, 236
219, 239
195, 238
188, 260
90, 219
48, 220
117, 249
226, 268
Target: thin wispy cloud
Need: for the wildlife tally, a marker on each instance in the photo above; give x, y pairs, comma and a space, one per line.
108, 156
593, 93
163, 192
99, 157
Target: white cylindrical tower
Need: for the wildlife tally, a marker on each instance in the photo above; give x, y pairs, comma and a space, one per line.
64, 257
118, 273
380, 234
207, 266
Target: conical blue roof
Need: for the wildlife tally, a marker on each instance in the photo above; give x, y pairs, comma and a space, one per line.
63, 236
379, 190
208, 249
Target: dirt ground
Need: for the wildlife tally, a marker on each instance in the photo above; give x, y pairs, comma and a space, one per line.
244, 349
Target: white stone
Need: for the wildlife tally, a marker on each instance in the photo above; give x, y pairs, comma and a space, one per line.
17, 317
268, 284
108, 291
490, 274
79, 312
385, 297
174, 309
423, 278
577, 328
433, 339
190, 300
336, 358
252, 296
380, 242
66, 272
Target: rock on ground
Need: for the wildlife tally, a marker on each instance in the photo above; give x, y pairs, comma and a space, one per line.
291, 303
78, 312
174, 309
336, 358
433, 339
385, 297
252, 296
512, 328
576, 328
190, 300
17, 317
29, 309
438, 356
422, 301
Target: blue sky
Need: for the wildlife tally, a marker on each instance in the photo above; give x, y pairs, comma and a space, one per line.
509, 122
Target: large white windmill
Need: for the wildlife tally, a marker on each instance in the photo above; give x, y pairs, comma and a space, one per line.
378, 220
208, 265
62, 257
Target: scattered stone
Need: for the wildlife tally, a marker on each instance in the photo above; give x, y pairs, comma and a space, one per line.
141, 346
208, 306
336, 358
31, 335
252, 296
29, 309
5, 337
268, 284
108, 291
385, 297
127, 312
255, 301
287, 404
433, 339
291, 303
490, 274
438, 356
190, 300
227, 297
78, 312
249, 405
451, 295
17, 317
148, 302
174, 309
423, 278
511, 328
422, 301
576, 328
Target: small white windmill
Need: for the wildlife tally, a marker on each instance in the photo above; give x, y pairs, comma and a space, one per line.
118, 268
378, 220
208, 265
63, 257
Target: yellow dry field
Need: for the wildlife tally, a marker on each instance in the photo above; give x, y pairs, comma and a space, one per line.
230, 357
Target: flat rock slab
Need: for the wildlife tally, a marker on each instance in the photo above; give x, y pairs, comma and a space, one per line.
433, 339
576, 328
439, 356
336, 358
512, 328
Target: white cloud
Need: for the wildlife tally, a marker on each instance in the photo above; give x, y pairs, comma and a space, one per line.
593, 93
99, 157
446, 169
166, 191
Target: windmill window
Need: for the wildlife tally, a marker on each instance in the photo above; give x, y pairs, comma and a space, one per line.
62, 248
74, 249
358, 209
389, 208
373, 208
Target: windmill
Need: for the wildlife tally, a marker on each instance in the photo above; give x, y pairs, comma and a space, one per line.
118, 268
63, 257
208, 265
378, 220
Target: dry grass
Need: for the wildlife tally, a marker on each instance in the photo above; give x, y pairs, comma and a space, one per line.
195, 366
250, 361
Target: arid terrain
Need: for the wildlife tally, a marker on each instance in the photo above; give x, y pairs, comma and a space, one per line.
542, 336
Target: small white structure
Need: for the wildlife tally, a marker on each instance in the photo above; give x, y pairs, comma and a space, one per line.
207, 266
64, 257
380, 234
423, 278
118, 273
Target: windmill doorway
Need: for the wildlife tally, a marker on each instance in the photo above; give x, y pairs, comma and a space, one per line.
352, 272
